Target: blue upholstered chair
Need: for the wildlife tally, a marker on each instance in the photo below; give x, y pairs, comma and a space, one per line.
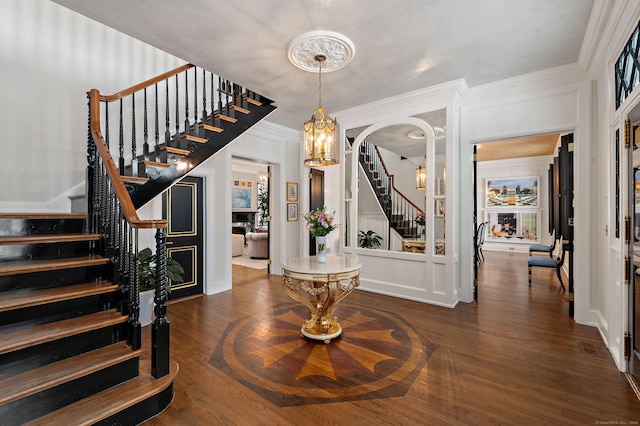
541, 248
544, 262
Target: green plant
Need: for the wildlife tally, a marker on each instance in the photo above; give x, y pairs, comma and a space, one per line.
147, 270
263, 204
369, 239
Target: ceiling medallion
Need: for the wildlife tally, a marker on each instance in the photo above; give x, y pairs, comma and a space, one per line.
337, 49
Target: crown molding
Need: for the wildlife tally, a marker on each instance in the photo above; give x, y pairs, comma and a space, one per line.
550, 78
407, 104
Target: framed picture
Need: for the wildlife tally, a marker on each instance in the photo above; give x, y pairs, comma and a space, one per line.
240, 198
292, 191
292, 212
512, 192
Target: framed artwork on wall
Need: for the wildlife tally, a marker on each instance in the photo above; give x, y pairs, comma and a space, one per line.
292, 212
512, 192
241, 198
292, 191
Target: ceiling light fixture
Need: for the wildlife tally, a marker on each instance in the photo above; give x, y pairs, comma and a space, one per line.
322, 51
321, 131
421, 175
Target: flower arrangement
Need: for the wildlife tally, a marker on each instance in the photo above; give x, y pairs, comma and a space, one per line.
319, 222
419, 219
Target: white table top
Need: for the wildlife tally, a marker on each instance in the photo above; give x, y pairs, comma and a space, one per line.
333, 265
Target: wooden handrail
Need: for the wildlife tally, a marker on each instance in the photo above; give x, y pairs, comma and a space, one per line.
144, 84
393, 183
128, 210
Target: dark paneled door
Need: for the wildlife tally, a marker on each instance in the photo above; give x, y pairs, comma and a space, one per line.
182, 207
316, 199
566, 206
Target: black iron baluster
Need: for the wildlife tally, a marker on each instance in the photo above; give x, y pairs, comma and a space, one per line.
145, 145
187, 125
230, 111
176, 136
217, 123
156, 150
90, 178
196, 128
167, 133
134, 148
205, 114
121, 143
106, 124
160, 330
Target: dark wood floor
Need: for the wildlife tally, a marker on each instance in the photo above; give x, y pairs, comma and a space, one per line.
514, 357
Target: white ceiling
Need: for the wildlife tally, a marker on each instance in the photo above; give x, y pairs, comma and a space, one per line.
400, 45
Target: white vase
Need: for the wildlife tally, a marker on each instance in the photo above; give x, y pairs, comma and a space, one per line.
321, 249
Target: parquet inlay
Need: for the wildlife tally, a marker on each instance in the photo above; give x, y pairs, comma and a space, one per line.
379, 351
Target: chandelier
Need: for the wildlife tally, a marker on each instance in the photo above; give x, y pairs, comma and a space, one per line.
421, 175
320, 132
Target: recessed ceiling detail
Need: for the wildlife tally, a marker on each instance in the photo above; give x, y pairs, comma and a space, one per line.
303, 49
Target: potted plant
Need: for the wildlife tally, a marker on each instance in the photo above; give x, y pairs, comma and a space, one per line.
369, 239
147, 276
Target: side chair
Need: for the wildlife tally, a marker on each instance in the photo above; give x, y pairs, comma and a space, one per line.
543, 262
541, 248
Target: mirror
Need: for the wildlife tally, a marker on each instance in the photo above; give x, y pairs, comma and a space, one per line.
392, 213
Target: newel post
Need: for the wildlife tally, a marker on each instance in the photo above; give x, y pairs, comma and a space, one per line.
160, 330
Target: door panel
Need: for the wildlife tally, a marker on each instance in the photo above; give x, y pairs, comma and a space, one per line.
182, 207
316, 200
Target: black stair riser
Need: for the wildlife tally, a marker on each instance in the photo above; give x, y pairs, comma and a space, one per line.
39, 404
31, 226
55, 278
142, 411
44, 251
43, 314
17, 362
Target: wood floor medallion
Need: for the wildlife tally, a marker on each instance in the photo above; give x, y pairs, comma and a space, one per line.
379, 355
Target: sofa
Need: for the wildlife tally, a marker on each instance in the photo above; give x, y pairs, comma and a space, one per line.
237, 244
258, 245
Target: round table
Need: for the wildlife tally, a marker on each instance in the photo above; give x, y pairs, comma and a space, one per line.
320, 286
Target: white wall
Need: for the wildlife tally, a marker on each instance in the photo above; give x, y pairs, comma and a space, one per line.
51, 57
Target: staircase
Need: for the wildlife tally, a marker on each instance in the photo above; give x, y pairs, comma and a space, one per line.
398, 209
182, 117
62, 338
70, 336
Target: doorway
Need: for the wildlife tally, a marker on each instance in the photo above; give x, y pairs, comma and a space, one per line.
316, 200
250, 213
512, 198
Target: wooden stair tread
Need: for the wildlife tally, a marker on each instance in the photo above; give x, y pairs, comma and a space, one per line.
213, 128
154, 164
175, 150
20, 339
193, 138
25, 299
226, 118
43, 215
51, 375
111, 401
27, 266
134, 179
58, 238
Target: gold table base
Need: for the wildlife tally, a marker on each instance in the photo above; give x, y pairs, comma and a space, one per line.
320, 293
